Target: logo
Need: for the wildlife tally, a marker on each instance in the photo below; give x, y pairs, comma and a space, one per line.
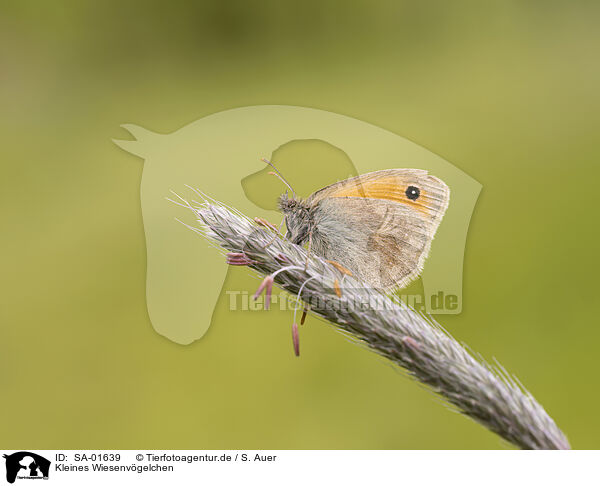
26, 465
220, 155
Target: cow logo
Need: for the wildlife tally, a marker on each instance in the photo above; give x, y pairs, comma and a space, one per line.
26, 465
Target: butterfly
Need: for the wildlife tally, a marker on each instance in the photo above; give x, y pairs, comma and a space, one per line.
379, 225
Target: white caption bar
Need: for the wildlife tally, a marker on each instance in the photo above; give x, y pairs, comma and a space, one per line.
91, 467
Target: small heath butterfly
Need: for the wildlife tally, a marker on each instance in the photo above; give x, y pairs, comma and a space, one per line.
377, 225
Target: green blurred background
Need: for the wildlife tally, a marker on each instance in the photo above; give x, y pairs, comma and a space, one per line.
506, 91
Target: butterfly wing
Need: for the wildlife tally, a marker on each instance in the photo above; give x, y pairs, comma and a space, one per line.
380, 225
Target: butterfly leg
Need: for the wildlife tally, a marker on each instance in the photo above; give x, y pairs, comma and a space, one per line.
266, 224
276, 230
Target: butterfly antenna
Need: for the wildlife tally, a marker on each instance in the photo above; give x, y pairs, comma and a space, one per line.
279, 175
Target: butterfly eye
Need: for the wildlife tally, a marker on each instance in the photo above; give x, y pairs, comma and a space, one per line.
413, 193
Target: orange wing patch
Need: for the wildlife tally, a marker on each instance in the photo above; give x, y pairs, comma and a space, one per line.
393, 185
389, 188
